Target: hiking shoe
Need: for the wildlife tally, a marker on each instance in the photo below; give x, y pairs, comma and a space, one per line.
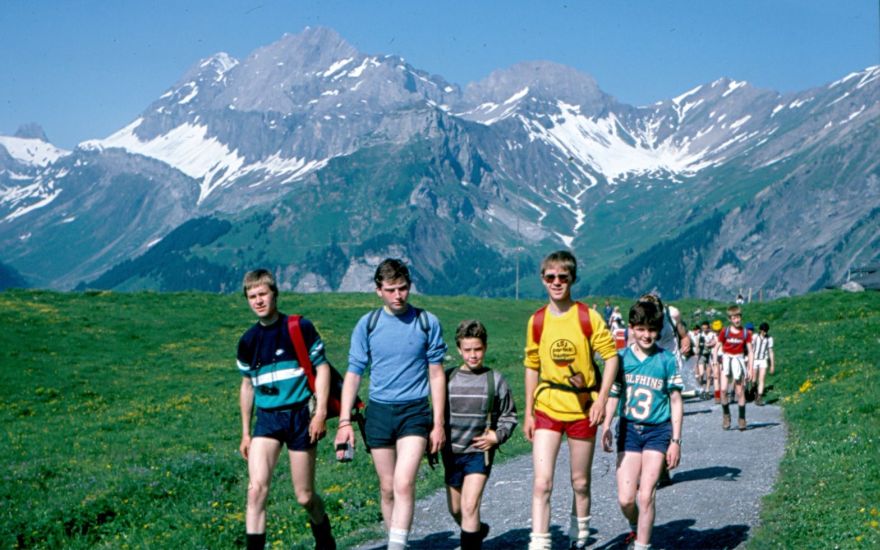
630, 540
725, 422
577, 545
759, 400
742, 424
323, 535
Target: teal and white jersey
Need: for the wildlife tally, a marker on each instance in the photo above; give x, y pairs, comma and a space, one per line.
647, 385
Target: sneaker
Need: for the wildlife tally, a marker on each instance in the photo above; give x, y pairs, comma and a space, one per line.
725, 422
577, 545
742, 424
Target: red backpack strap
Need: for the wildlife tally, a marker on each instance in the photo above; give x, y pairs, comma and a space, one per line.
538, 325
299, 346
584, 318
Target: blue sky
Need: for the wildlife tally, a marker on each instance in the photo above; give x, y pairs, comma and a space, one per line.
85, 68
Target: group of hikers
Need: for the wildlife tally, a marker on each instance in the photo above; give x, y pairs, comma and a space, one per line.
286, 381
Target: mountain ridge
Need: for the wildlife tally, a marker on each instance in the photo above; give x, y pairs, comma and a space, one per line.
533, 157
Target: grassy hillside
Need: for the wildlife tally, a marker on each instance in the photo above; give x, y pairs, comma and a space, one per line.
121, 418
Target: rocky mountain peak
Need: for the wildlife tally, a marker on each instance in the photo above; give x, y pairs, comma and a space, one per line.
31, 130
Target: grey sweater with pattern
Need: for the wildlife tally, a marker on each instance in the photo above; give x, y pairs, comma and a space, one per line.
467, 393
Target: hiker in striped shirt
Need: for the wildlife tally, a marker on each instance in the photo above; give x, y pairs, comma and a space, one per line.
762, 344
480, 416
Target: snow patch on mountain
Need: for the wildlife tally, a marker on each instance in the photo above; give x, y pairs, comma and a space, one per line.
189, 149
33, 152
602, 144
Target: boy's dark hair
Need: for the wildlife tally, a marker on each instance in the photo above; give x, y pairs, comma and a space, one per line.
564, 259
391, 269
646, 313
704, 324
696, 327
764, 326
259, 277
470, 328
652, 298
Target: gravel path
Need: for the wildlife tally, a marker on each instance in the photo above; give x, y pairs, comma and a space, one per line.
713, 501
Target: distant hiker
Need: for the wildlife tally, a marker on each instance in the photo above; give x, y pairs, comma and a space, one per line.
565, 394
735, 344
715, 361
616, 318
673, 337
274, 381
706, 340
651, 412
740, 299
404, 350
480, 416
764, 356
607, 311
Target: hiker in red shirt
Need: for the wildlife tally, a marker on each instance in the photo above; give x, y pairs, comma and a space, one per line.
734, 343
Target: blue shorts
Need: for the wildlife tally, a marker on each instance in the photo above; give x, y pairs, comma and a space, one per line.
289, 426
635, 438
457, 466
388, 422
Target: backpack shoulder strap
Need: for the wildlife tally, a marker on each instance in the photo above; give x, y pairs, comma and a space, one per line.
584, 318
299, 346
450, 374
373, 320
422, 316
490, 394
538, 324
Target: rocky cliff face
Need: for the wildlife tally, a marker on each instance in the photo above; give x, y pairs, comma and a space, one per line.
320, 160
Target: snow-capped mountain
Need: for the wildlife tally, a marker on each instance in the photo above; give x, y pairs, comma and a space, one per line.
319, 160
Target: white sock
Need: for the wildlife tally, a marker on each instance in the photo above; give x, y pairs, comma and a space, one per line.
539, 541
397, 539
579, 529
640, 546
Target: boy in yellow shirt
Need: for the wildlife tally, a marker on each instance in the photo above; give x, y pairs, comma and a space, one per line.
565, 394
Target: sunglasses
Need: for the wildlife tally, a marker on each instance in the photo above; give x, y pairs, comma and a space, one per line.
551, 277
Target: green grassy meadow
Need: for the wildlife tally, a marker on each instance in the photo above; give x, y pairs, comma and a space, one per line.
120, 413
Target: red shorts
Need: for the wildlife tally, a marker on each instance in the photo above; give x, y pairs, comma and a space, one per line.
577, 429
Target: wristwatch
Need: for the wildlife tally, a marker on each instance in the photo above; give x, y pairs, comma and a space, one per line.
676, 441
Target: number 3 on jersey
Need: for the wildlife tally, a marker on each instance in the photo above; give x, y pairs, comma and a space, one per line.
638, 402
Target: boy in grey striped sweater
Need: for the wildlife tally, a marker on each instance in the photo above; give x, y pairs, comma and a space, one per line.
480, 416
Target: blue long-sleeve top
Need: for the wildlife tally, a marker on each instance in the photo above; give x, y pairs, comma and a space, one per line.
398, 352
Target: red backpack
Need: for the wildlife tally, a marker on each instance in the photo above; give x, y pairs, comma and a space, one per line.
334, 400
586, 329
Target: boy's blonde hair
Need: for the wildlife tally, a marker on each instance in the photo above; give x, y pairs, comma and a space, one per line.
734, 310
564, 259
259, 277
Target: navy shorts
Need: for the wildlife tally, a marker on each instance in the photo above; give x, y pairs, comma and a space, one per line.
388, 422
289, 426
635, 438
457, 466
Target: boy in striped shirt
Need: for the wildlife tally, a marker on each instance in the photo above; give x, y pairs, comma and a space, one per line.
480, 416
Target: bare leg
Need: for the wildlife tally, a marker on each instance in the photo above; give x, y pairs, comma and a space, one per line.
262, 457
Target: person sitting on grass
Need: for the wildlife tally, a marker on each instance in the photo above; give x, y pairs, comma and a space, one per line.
480, 416
647, 395
273, 379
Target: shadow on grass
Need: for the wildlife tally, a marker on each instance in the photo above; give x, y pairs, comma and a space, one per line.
679, 534
720, 473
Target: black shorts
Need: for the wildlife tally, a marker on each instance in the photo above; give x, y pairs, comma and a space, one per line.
289, 426
457, 466
388, 422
